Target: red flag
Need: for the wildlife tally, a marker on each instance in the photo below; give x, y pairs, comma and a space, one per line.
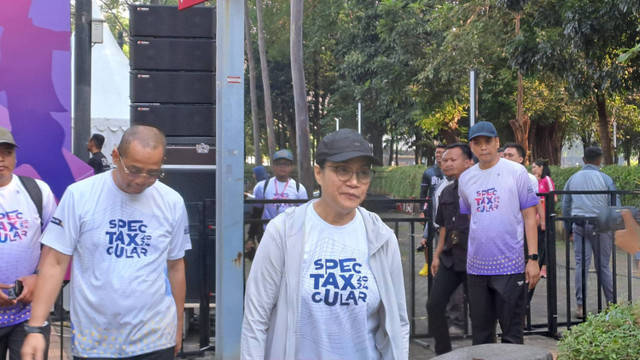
183, 4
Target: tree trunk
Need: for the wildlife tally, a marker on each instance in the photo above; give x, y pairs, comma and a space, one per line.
252, 86
521, 132
417, 152
391, 144
268, 108
375, 139
546, 142
305, 170
603, 126
451, 135
522, 123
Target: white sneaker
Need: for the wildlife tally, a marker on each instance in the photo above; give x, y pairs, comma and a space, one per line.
455, 331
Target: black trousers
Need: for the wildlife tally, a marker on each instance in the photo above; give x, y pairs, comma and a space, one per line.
12, 337
501, 298
445, 283
164, 354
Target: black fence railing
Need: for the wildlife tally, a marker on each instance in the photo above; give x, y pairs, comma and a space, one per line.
404, 217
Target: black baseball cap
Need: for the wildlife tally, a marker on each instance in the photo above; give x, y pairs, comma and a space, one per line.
483, 128
343, 145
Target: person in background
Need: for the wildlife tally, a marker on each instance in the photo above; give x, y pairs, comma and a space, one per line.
542, 172
501, 152
515, 152
282, 187
327, 279
450, 257
589, 178
24, 216
501, 203
98, 161
431, 178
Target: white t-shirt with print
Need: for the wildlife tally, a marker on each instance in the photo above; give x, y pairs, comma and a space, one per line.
278, 190
121, 302
340, 302
20, 232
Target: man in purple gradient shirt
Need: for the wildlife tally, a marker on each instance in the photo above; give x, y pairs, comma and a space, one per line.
498, 197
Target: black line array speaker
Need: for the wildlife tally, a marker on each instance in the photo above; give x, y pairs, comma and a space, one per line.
172, 87
159, 20
177, 120
172, 79
172, 54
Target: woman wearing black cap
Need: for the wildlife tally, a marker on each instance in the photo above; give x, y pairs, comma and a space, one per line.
327, 282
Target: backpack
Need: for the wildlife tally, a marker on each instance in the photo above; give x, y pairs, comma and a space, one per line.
34, 193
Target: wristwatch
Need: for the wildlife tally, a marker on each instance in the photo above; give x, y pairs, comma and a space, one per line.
35, 329
533, 257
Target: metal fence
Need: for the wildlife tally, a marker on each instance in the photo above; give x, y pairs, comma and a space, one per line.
551, 306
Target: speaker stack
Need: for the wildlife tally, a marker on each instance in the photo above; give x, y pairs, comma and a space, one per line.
172, 59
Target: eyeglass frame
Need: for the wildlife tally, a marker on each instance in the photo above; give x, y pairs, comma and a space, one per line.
142, 174
353, 171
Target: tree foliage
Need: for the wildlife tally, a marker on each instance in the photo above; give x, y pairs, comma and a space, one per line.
408, 61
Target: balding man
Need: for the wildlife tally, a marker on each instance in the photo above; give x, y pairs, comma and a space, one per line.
127, 234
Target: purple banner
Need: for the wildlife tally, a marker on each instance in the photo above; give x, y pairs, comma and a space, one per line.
35, 89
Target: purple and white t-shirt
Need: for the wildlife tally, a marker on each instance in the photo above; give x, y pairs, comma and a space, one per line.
20, 232
494, 199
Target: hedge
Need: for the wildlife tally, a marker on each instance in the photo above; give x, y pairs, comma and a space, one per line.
404, 181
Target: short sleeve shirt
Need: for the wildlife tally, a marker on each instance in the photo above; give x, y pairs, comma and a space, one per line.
494, 198
121, 300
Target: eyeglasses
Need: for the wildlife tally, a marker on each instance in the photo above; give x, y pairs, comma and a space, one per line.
136, 173
344, 173
282, 163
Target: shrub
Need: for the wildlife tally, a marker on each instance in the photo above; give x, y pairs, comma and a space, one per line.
612, 334
398, 181
404, 181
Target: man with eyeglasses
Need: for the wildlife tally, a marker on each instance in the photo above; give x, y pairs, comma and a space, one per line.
283, 187
127, 234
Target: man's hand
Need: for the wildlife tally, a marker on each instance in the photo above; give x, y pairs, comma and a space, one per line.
29, 286
629, 238
4, 299
178, 347
33, 347
532, 273
435, 264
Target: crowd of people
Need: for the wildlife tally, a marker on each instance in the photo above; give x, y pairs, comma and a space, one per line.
327, 278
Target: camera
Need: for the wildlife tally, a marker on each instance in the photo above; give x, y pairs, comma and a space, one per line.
420, 248
610, 218
16, 290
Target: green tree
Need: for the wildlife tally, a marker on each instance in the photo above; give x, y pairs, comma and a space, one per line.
577, 40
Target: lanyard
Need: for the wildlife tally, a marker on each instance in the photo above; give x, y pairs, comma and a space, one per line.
275, 187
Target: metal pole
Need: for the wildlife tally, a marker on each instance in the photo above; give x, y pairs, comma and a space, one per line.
229, 177
82, 80
473, 97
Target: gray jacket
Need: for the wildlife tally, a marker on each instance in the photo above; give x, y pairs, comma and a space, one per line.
272, 298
